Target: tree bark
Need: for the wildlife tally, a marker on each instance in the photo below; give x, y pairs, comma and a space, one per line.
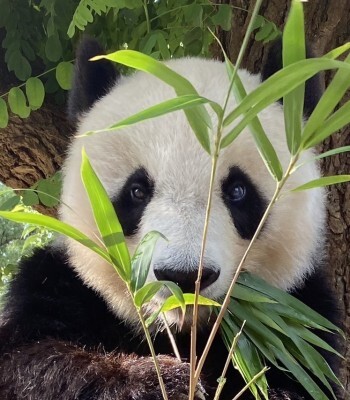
327, 26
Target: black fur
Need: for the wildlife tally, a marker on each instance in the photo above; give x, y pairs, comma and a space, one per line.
247, 213
59, 340
92, 79
129, 209
313, 86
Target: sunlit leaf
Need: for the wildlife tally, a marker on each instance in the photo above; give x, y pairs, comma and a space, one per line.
141, 260
324, 181
197, 117
106, 219
293, 50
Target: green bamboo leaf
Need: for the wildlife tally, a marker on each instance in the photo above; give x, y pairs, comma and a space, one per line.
64, 74
246, 293
165, 107
57, 226
264, 146
279, 84
35, 92
321, 182
331, 97
285, 299
172, 302
246, 357
335, 122
313, 360
300, 374
339, 150
141, 260
197, 117
4, 115
17, 102
293, 50
338, 51
106, 219
147, 292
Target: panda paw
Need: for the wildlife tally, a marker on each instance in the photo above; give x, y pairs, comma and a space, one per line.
144, 383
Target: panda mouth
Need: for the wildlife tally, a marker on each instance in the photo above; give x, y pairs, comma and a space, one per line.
186, 279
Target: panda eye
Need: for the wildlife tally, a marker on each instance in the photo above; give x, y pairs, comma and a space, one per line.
237, 192
138, 193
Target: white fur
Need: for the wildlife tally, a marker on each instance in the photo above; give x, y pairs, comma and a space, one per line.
169, 151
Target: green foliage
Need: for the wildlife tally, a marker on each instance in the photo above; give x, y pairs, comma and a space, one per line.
41, 36
16, 241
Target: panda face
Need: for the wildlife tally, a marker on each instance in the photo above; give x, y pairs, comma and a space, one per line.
157, 176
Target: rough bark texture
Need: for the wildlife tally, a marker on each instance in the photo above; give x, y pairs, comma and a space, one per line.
327, 26
33, 148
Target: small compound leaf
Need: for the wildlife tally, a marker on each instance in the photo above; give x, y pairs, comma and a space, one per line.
17, 102
4, 115
64, 74
35, 92
53, 48
30, 198
10, 203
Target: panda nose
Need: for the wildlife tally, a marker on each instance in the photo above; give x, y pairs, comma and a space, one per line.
186, 279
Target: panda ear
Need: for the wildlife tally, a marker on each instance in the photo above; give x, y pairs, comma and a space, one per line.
313, 87
91, 79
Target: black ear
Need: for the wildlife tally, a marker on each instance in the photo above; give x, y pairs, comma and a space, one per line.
91, 80
313, 86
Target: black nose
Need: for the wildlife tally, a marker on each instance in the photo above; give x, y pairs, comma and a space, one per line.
186, 279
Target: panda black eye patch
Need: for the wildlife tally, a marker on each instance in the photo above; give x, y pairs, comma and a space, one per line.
132, 200
244, 202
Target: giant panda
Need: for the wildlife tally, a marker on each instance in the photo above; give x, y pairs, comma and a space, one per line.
69, 330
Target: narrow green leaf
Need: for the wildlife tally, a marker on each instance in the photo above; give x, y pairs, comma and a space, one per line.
17, 102
338, 51
173, 302
35, 92
331, 97
246, 357
335, 122
293, 51
324, 181
300, 374
64, 74
197, 117
264, 146
106, 219
328, 153
141, 260
286, 299
165, 107
246, 293
57, 226
4, 115
147, 292
279, 84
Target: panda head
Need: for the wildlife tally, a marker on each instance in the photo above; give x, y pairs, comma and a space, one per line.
157, 176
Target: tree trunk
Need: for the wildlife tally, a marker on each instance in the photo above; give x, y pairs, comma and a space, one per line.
327, 26
33, 148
